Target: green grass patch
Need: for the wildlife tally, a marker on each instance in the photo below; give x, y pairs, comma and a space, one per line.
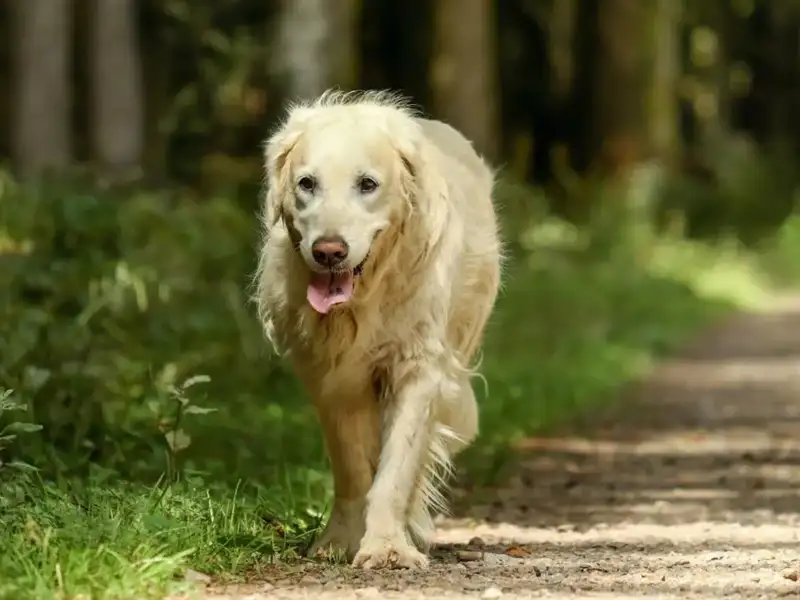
171, 438
127, 540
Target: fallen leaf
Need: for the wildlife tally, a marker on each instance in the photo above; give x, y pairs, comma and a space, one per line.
518, 552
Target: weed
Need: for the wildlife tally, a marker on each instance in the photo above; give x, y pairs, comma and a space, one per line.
9, 432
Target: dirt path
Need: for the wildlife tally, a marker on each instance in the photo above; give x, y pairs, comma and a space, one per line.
693, 492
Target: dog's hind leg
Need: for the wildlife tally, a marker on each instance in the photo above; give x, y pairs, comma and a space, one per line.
351, 425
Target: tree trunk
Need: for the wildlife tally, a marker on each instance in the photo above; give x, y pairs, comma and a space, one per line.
42, 137
463, 70
156, 62
343, 45
664, 127
561, 24
316, 46
781, 74
710, 45
621, 84
117, 88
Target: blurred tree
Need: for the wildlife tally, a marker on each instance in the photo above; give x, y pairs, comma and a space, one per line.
711, 29
775, 44
7, 35
463, 71
537, 38
563, 50
158, 83
43, 96
117, 94
561, 22
316, 46
664, 122
617, 136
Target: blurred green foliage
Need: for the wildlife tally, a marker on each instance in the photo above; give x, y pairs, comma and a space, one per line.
111, 300
129, 321
171, 438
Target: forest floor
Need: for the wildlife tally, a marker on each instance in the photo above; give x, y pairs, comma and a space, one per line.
689, 490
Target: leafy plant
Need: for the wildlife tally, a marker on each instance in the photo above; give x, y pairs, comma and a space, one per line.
178, 405
9, 432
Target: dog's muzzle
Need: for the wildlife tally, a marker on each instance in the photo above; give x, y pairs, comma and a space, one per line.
296, 238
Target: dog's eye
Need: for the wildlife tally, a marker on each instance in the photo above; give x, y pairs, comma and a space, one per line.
367, 185
307, 184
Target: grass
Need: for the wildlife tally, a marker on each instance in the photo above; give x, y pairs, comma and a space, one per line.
171, 440
130, 541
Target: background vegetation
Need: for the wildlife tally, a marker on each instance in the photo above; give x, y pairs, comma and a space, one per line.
648, 153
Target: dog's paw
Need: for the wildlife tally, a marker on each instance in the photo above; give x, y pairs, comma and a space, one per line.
331, 550
339, 541
389, 554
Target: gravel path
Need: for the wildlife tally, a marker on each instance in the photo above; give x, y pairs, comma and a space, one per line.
693, 491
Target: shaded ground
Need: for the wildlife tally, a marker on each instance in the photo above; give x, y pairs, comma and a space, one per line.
691, 490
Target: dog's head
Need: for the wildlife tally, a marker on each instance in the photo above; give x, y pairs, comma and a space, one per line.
339, 173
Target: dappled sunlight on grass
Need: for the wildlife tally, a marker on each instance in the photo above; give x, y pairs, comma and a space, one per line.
724, 271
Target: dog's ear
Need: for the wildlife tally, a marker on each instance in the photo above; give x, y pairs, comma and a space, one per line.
277, 151
423, 186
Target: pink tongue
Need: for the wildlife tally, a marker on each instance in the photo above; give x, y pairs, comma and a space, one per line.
327, 289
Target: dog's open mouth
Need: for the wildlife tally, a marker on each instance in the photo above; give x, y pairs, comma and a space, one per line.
328, 289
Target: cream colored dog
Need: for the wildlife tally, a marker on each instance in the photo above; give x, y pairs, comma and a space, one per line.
379, 268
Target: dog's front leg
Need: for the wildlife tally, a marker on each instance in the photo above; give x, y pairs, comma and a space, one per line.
408, 426
351, 425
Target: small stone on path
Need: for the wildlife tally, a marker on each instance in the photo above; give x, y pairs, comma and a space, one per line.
196, 576
469, 555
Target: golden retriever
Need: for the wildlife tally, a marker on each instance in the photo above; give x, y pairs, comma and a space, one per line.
379, 268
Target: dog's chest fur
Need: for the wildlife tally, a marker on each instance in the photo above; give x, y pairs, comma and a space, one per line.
361, 340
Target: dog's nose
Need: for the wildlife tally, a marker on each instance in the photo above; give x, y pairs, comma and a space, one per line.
329, 251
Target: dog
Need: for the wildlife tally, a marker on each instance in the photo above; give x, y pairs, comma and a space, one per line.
379, 269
